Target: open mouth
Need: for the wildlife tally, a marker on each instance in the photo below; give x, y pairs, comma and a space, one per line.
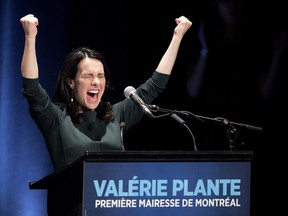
93, 94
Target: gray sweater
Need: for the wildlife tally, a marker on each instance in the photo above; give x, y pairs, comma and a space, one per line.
67, 141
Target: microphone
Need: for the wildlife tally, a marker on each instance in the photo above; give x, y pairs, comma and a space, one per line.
130, 92
122, 127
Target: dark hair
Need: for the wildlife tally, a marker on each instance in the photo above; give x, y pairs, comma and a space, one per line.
64, 93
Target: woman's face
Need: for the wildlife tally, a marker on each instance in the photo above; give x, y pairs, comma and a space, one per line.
89, 83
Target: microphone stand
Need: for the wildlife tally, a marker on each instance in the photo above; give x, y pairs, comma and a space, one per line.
182, 122
173, 114
220, 120
232, 133
122, 127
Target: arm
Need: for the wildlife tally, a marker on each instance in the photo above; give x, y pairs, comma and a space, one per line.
29, 66
166, 64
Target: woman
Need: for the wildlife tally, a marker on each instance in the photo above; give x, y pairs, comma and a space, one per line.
77, 120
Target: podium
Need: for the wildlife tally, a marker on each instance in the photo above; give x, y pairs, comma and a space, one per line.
151, 183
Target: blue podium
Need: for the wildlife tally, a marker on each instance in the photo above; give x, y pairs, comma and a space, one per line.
151, 183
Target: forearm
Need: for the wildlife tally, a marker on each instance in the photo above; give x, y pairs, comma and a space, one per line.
29, 65
167, 62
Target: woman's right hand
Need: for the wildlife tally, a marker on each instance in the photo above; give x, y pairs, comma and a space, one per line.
29, 65
29, 24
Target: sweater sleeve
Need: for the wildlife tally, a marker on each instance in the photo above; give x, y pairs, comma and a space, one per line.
127, 111
36, 96
153, 87
46, 114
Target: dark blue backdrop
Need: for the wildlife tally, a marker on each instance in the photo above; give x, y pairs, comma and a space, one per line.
23, 156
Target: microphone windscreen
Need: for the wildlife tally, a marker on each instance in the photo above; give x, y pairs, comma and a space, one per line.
122, 124
128, 90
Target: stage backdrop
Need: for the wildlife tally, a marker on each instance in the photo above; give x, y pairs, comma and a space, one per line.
22, 151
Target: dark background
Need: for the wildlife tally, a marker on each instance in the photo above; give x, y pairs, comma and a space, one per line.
133, 36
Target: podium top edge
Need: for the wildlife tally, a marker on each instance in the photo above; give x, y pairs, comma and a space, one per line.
168, 155
144, 156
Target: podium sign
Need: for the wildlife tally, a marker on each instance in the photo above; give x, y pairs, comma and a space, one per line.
155, 183
161, 188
